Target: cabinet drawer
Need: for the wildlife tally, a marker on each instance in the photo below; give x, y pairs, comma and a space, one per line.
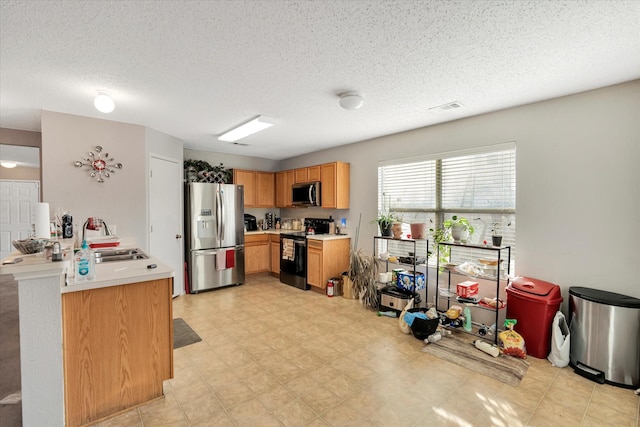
314, 244
256, 239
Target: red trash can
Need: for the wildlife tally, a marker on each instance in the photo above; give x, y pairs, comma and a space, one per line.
533, 303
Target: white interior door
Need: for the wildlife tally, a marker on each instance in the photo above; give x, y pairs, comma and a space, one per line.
165, 215
16, 201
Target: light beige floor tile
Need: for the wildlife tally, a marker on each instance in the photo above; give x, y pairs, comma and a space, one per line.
201, 408
294, 413
320, 399
233, 394
276, 397
274, 355
128, 419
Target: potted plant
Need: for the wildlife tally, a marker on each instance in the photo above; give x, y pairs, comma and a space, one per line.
384, 221
496, 237
458, 225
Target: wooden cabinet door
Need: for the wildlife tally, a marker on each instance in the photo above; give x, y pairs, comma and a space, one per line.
328, 184
284, 181
301, 175
335, 185
275, 254
265, 190
314, 263
313, 173
281, 189
118, 348
248, 179
256, 253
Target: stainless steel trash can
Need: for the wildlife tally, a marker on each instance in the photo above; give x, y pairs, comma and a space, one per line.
605, 336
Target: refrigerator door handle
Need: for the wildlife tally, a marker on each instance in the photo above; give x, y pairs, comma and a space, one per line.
221, 213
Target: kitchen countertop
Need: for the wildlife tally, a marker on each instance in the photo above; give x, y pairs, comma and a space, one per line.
309, 236
107, 274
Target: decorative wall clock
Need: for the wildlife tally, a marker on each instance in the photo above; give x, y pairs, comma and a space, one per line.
100, 164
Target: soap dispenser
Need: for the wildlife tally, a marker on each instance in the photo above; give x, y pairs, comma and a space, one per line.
85, 261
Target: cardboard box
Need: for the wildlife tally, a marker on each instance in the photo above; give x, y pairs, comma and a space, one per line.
407, 280
467, 289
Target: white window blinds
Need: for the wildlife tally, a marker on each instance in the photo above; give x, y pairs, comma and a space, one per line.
477, 184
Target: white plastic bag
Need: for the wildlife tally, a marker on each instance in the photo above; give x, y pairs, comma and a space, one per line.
560, 341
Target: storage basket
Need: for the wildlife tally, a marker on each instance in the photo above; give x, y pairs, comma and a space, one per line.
422, 328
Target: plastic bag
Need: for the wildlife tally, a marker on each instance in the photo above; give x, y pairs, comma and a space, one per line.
560, 341
512, 342
403, 325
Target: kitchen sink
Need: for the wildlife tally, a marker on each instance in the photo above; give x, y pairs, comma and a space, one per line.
113, 255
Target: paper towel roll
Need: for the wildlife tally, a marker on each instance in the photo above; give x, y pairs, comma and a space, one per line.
41, 220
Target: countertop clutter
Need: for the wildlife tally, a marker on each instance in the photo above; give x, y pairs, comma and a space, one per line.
107, 274
309, 236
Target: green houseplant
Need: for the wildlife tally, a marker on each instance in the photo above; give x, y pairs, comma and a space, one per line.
458, 225
385, 220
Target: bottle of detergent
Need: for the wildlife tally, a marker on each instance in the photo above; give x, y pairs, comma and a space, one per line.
85, 261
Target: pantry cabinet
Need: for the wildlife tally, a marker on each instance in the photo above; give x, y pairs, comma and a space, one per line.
335, 182
326, 259
259, 187
257, 251
284, 181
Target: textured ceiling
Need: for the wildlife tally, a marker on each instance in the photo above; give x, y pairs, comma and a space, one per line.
196, 69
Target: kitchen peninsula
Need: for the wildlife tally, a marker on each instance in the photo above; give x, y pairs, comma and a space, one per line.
93, 349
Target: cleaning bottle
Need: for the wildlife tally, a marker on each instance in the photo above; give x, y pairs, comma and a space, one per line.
467, 319
85, 261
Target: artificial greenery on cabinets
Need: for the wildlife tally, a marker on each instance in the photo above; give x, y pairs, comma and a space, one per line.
202, 171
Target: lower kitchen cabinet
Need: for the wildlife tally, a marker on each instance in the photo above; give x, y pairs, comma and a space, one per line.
275, 255
118, 348
326, 259
257, 250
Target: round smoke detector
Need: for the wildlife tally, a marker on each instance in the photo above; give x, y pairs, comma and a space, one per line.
351, 101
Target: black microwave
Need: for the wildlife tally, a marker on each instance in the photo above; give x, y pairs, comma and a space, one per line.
307, 194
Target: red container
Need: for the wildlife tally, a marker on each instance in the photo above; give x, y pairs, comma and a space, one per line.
533, 303
467, 289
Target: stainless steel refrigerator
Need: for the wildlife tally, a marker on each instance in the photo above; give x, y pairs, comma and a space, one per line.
214, 235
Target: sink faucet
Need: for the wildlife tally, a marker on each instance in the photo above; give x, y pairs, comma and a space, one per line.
93, 223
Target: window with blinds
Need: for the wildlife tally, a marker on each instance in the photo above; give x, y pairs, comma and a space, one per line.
479, 185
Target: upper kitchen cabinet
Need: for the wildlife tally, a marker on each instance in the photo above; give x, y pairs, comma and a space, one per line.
266, 191
335, 181
284, 181
308, 174
259, 187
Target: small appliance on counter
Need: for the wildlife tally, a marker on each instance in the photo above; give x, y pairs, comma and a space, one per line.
250, 223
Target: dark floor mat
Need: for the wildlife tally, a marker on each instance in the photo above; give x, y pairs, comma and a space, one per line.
183, 335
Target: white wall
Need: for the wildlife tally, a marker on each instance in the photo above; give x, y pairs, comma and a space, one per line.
121, 199
578, 167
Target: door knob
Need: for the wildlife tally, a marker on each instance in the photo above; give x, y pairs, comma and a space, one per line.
178, 236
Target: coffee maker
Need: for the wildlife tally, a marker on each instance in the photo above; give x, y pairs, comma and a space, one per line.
67, 226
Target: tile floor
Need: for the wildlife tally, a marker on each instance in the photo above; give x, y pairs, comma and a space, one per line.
273, 355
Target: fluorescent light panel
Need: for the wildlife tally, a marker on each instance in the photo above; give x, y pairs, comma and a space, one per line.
246, 129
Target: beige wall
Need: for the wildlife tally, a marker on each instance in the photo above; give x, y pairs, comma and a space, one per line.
578, 182
121, 199
24, 138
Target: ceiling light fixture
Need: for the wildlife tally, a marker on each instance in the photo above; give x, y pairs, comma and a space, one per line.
446, 107
8, 165
103, 102
351, 100
246, 129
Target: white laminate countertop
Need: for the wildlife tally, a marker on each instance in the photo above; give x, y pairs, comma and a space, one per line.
309, 236
107, 274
